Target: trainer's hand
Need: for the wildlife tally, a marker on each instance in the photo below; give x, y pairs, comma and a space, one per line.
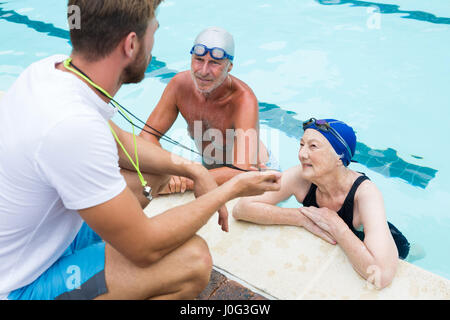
255, 183
205, 182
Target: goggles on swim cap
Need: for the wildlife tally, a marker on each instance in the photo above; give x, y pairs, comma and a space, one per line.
324, 126
216, 53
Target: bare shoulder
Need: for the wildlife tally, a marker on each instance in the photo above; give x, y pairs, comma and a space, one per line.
368, 190
294, 180
179, 86
241, 85
181, 78
298, 183
243, 91
293, 173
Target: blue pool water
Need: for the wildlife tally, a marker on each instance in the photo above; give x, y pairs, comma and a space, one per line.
382, 67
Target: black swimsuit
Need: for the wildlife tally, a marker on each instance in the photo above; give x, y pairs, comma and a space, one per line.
346, 214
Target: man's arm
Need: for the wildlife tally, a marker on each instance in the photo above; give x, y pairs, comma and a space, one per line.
162, 119
246, 123
155, 160
164, 114
122, 223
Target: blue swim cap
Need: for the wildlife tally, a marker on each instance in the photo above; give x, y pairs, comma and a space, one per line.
345, 131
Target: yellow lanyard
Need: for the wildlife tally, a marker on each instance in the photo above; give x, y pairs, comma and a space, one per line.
147, 189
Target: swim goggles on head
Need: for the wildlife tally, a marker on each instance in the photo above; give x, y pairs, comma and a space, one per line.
216, 53
324, 126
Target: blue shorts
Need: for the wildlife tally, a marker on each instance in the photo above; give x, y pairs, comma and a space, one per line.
79, 274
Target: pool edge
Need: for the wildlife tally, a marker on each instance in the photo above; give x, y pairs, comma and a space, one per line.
290, 263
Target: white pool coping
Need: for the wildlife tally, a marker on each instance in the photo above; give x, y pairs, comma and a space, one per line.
285, 262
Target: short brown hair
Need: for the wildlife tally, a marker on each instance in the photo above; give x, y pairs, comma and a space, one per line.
104, 23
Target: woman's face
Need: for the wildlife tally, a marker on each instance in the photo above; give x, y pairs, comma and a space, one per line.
316, 155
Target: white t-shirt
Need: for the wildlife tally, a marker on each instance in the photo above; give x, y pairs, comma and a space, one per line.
57, 156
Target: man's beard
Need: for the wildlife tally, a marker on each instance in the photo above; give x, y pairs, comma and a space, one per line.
135, 71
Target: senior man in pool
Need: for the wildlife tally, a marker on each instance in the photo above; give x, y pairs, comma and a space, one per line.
213, 103
339, 205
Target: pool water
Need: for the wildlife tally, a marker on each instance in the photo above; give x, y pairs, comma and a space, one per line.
381, 67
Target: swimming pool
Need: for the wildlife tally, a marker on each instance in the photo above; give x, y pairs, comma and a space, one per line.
382, 67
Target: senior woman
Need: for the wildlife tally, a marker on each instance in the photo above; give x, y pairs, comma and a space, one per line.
339, 205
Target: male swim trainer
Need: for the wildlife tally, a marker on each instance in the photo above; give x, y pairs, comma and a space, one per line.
71, 218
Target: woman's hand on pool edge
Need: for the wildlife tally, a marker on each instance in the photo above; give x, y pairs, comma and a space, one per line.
325, 218
315, 229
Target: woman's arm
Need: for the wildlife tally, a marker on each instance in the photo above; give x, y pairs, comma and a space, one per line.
376, 258
263, 209
378, 238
